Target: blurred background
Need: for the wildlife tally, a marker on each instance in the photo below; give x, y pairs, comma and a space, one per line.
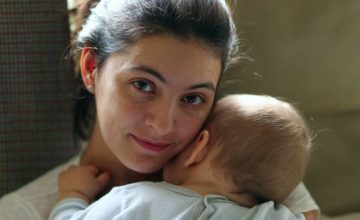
304, 51
308, 52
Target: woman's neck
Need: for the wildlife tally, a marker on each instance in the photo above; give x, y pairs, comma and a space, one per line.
98, 154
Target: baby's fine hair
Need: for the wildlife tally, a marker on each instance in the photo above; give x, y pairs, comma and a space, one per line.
262, 145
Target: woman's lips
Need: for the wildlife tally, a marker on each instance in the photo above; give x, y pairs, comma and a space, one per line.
150, 144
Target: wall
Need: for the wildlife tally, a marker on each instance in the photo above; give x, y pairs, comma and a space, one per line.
308, 52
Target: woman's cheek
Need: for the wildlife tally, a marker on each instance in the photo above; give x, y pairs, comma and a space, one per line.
191, 129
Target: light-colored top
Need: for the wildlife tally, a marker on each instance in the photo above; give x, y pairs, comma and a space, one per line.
35, 200
163, 201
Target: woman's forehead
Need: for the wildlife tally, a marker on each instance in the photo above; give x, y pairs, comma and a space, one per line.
170, 58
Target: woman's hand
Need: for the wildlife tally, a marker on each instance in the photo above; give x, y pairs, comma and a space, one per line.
312, 215
83, 182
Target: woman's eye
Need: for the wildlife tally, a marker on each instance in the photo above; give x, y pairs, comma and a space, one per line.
194, 99
143, 85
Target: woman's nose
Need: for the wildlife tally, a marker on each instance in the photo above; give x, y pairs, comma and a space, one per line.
161, 118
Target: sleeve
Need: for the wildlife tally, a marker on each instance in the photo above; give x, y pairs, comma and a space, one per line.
67, 208
13, 206
271, 211
300, 200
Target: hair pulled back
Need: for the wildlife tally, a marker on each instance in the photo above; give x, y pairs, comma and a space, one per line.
113, 25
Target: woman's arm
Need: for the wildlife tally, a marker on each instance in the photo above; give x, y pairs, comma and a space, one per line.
300, 201
312, 215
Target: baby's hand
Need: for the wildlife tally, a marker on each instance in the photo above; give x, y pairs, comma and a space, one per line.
83, 182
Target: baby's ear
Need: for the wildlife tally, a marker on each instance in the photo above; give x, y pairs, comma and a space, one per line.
200, 149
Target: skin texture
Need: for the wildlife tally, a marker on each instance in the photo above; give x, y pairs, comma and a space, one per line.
192, 169
83, 182
312, 215
151, 102
157, 93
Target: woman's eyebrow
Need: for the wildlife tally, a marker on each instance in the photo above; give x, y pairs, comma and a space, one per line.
206, 85
148, 70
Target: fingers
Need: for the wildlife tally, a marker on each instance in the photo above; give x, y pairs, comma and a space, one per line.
103, 179
85, 168
87, 171
92, 169
88, 180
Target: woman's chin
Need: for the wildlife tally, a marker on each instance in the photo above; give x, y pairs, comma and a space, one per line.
145, 168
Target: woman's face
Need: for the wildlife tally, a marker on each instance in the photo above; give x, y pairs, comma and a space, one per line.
153, 98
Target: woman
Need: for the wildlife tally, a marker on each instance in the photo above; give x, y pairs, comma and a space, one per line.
152, 68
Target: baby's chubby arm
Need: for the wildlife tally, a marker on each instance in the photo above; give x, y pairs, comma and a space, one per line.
84, 182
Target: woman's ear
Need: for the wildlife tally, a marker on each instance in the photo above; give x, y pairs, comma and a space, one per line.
200, 149
87, 67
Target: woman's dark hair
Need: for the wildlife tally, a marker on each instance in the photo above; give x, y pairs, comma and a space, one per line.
113, 25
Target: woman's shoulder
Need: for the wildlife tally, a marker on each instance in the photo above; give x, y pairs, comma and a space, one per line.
35, 199
47, 183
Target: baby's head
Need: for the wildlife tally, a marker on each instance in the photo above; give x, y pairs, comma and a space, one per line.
261, 145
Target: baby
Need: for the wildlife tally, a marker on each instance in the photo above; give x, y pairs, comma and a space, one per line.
253, 151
